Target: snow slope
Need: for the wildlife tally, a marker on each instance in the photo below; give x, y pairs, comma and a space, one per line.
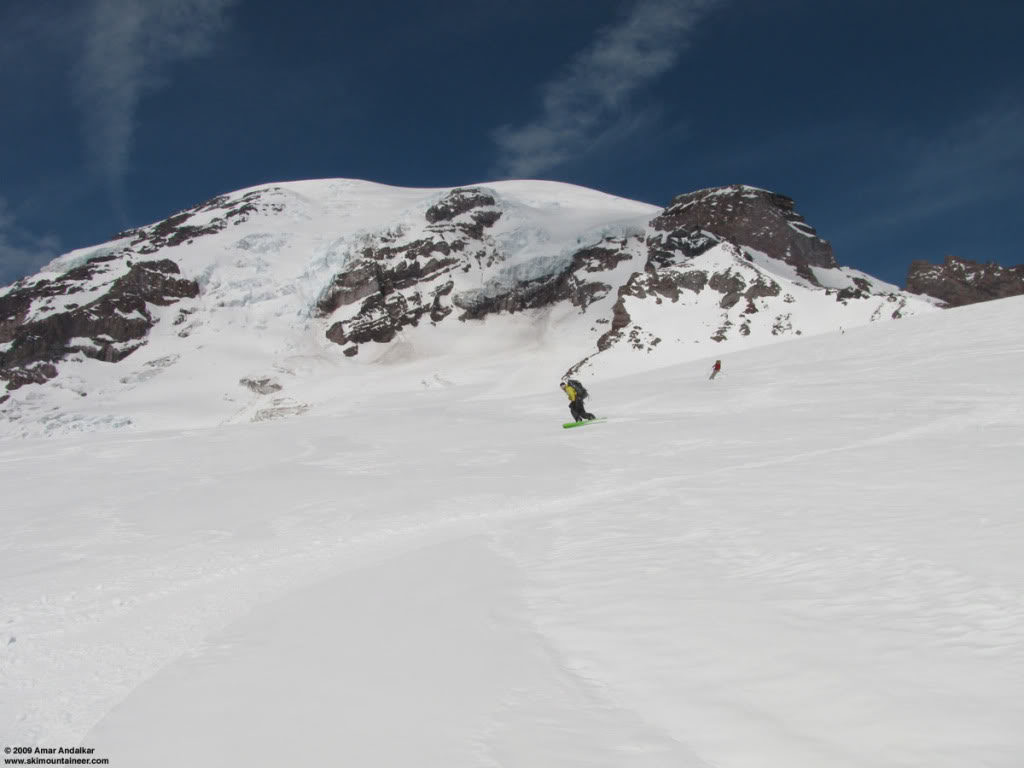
812, 561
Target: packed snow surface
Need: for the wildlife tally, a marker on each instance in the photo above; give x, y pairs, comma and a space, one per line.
812, 561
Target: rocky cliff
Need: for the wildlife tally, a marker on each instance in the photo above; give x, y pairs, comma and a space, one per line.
748, 217
41, 323
402, 276
957, 281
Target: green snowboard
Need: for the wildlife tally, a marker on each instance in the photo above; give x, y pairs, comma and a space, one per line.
572, 424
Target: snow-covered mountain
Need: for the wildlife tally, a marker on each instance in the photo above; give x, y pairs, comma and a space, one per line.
273, 300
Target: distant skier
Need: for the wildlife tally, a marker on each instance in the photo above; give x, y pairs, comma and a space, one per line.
576, 393
715, 369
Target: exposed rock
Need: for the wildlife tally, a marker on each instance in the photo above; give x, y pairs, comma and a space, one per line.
723, 331
29, 374
261, 386
397, 281
620, 317
14, 308
357, 282
641, 340
438, 310
599, 258
694, 280
960, 281
783, 324
108, 328
727, 282
669, 283
379, 319
528, 294
665, 249
336, 333
762, 287
175, 230
481, 221
387, 310
730, 300
575, 282
459, 201
746, 216
586, 294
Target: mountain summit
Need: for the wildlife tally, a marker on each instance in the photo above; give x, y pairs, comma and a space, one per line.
269, 301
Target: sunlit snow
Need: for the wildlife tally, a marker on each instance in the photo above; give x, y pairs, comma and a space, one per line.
813, 561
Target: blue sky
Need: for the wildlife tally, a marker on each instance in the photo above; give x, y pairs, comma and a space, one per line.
898, 127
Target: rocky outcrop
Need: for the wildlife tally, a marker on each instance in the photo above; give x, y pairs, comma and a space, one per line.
742, 215
578, 282
528, 294
397, 281
186, 226
960, 281
735, 287
458, 202
860, 289
462, 201
40, 327
748, 223
264, 385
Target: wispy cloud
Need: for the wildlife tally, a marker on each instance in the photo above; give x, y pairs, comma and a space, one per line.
980, 158
589, 103
22, 252
128, 48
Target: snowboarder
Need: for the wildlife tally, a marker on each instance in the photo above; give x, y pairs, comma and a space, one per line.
576, 394
715, 369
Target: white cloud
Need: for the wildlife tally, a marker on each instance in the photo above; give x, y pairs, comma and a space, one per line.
589, 101
21, 252
128, 47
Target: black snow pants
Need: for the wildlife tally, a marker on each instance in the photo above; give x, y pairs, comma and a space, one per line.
579, 413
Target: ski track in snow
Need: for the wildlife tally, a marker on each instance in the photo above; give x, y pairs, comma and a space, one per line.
812, 561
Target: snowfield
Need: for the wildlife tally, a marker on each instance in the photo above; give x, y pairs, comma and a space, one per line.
814, 561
